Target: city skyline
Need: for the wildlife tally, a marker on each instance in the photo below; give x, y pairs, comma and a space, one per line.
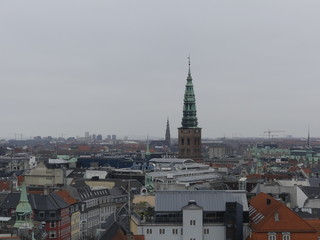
121, 67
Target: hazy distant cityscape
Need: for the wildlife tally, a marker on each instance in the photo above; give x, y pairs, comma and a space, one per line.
95, 187
159, 120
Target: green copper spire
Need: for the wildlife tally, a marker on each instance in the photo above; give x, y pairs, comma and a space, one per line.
189, 118
23, 210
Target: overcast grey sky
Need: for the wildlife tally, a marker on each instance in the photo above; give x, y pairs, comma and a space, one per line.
120, 67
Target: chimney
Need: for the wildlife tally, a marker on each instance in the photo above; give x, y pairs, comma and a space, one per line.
276, 216
46, 190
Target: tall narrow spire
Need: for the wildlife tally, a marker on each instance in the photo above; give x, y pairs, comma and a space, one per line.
189, 61
168, 137
189, 134
189, 118
308, 141
148, 148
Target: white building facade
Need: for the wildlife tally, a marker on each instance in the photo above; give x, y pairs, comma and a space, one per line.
195, 215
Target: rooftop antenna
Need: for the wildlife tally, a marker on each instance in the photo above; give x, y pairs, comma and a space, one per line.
189, 63
308, 141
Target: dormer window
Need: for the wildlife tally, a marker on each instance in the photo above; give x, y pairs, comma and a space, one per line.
286, 236
272, 236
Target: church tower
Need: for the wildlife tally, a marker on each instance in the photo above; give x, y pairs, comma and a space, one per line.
189, 134
23, 211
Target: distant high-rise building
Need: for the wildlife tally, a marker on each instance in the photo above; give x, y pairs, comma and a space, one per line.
189, 134
114, 137
168, 137
99, 137
87, 136
37, 138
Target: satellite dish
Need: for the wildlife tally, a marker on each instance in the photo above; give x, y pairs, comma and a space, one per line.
143, 191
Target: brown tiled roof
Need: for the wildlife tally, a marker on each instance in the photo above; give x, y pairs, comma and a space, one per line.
119, 236
66, 197
259, 176
307, 170
293, 169
20, 180
138, 237
263, 210
5, 185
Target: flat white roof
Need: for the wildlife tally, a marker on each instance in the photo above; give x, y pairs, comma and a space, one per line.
171, 160
4, 219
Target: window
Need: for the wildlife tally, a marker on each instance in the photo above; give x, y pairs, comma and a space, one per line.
149, 231
41, 214
272, 236
192, 222
174, 231
206, 231
52, 224
52, 214
52, 234
286, 236
5, 213
162, 231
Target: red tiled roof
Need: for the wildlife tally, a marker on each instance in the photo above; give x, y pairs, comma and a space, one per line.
84, 148
315, 223
262, 218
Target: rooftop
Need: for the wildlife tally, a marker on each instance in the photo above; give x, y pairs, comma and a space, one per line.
209, 200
